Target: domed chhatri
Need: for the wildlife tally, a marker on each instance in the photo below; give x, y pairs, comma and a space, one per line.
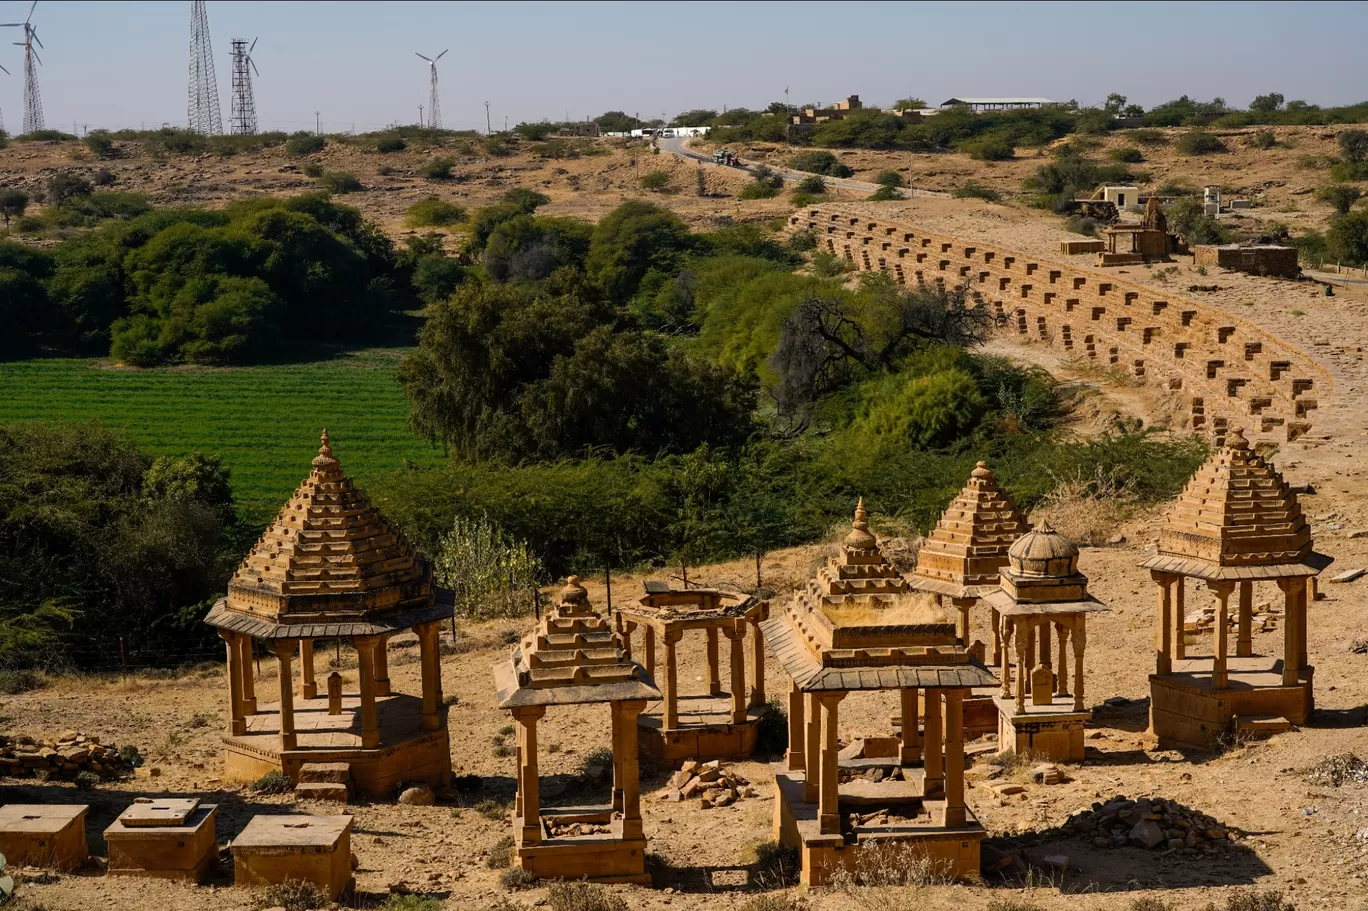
1236, 524
332, 567
1042, 597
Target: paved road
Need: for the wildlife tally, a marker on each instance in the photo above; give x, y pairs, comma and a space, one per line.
680, 147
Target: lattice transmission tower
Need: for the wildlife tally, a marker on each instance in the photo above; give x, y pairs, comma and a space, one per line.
204, 112
33, 101
434, 109
242, 115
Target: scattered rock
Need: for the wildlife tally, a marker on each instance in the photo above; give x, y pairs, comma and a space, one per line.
417, 796
1007, 787
1146, 834
1116, 539
1047, 773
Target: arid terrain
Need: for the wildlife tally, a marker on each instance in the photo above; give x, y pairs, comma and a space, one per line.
1304, 839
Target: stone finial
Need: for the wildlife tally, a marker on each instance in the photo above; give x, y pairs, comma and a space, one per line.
574, 592
1235, 439
860, 537
982, 472
324, 459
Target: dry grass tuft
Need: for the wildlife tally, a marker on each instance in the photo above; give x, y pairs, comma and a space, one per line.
894, 611
885, 865
1087, 510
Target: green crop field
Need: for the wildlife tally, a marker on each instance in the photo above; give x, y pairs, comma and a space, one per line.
264, 421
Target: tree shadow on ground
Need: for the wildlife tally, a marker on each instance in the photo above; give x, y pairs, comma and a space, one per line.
1355, 717
1132, 715
1094, 869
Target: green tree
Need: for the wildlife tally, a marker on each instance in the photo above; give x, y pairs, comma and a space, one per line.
64, 186
1341, 197
1266, 104
634, 239
909, 104
696, 117
1348, 238
617, 122
890, 178
99, 144
1114, 104
12, 204
1354, 145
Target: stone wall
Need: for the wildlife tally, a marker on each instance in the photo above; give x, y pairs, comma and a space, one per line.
1263, 260
1230, 371
66, 757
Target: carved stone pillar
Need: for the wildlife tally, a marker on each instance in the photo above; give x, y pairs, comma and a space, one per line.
671, 679
430, 663
812, 780
932, 760
1291, 588
648, 648
1163, 628
736, 636
1080, 642
1180, 618
757, 665
1062, 679
308, 687
714, 664
796, 729
1023, 645
631, 784
530, 831
828, 803
284, 652
911, 735
1244, 636
382, 681
237, 723
370, 720
1044, 643
615, 719
955, 813
1006, 663
249, 702
963, 605
997, 635
1220, 677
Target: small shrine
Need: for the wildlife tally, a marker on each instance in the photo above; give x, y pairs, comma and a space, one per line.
857, 627
1235, 525
959, 563
720, 724
332, 567
1043, 597
1149, 241
574, 657
167, 837
273, 850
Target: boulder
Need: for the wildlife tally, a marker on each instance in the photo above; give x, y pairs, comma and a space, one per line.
1146, 834
417, 796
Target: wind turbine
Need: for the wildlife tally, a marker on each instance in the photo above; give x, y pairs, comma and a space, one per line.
33, 102
434, 110
2, 119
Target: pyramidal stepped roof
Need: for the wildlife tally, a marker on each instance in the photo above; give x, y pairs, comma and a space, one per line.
969, 545
329, 553
1237, 511
573, 656
861, 568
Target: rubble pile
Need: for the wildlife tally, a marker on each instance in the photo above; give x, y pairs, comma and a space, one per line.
1152, 823
66, 757
709, 782
564, 829
1203, 620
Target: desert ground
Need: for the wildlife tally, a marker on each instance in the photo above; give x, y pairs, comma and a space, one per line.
1297, 835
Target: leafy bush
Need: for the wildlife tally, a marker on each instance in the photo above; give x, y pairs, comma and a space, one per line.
582, 896
633, 240
757, 190
434, 212
890, 179
99, 144
313, 169
1341, 197
1127, 155
411, 902
1147, 137
65, 186
438, 168
803, 241
12, 204
1348, 238
1354, 145
655, 180
771, 738
292, 895
989, 148
339, 182
972, 189
273, 782
1079, 224
85, 781
930, 410
304, 144
1198, 142
883, 194
802, 200
391, 144
12, 683
491, 574
814, 186
1349, 170
499, 855
1187, 218
823, 163
1264, 139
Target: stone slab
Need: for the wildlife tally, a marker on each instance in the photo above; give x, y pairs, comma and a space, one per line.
158, 812
44, 835
315, 849
181, 852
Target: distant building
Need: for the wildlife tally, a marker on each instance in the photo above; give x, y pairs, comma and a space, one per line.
998, 104
837, 111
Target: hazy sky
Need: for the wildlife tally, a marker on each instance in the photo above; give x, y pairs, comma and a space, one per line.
125, 64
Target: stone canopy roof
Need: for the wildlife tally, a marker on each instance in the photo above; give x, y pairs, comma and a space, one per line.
1236, 518
861, 568
572, 657
329, 560
963, 554
1042, 577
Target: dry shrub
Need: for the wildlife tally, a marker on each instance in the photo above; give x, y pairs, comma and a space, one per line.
501, 855
292, 895
773, 903
775, 865
1338, 769
1148, 903
583, 897
890, 864
1087, 509
1012, 904
898, 610
1017, 766
901, 553
516, 878
1255, 900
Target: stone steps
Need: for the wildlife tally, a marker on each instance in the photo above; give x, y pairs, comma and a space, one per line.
327, 781
1261, 725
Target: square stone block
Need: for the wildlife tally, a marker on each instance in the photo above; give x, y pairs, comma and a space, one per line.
44, 835
167, 838
315, 849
